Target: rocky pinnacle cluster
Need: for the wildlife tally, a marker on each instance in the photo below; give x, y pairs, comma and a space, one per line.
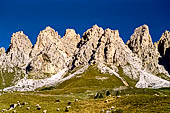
52, 53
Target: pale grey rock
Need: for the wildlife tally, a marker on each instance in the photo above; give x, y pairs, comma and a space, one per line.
55, 55
113, 52
52, 53
105, 69
47, 55
148, 80
19, 50
164, 43
2, 51
88, 46
70, 41
141, 44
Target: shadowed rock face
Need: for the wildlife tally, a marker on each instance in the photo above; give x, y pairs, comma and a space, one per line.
18, 52
164, 50
141, 44
51, 53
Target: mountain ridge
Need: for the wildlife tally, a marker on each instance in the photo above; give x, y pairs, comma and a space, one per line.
51, 53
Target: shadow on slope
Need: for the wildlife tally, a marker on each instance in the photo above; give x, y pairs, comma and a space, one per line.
165, 59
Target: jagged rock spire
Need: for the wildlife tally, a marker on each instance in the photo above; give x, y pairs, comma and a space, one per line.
2, 51
44, 40
88, 46
141, 44
164, 43
70, 41
51, 53
19, 50
164, 50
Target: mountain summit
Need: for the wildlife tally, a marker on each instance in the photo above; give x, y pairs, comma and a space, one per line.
52, 57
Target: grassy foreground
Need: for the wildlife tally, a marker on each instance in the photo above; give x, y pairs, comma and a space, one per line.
149, 101
84, 88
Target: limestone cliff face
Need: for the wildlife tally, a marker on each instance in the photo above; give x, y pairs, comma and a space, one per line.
19, 50
164, 49
2, 51
70, 42
47, 54
88, 46
51, 53
2, 56
105, 46
141, 44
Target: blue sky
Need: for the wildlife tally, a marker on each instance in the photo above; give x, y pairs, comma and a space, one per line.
32, 16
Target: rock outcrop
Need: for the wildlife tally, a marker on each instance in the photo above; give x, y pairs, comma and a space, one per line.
164, 50
19, 49
105, 46
87, 46
2, 51
141, 44
52, 54
47, 55
17, 55
70, 41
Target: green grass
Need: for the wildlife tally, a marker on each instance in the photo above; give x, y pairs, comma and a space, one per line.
8, 79
138, 101
131, 82
87, 81
163, 76
39, 75
84, 88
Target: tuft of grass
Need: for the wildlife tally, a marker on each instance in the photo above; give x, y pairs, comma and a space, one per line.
39, 75
88, 80
131, 82
8, 79
163, 76
143, 103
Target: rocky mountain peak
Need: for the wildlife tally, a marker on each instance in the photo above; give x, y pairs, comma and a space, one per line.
45, 38
164, 50
19, 50
70, 33
52, 54
93, 32
20, 40
2, 51
140, 38
164, 42
88, 46
141, 44
70, 41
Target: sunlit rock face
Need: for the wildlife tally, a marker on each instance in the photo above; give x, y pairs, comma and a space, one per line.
19, 50
141, 44
53, 53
